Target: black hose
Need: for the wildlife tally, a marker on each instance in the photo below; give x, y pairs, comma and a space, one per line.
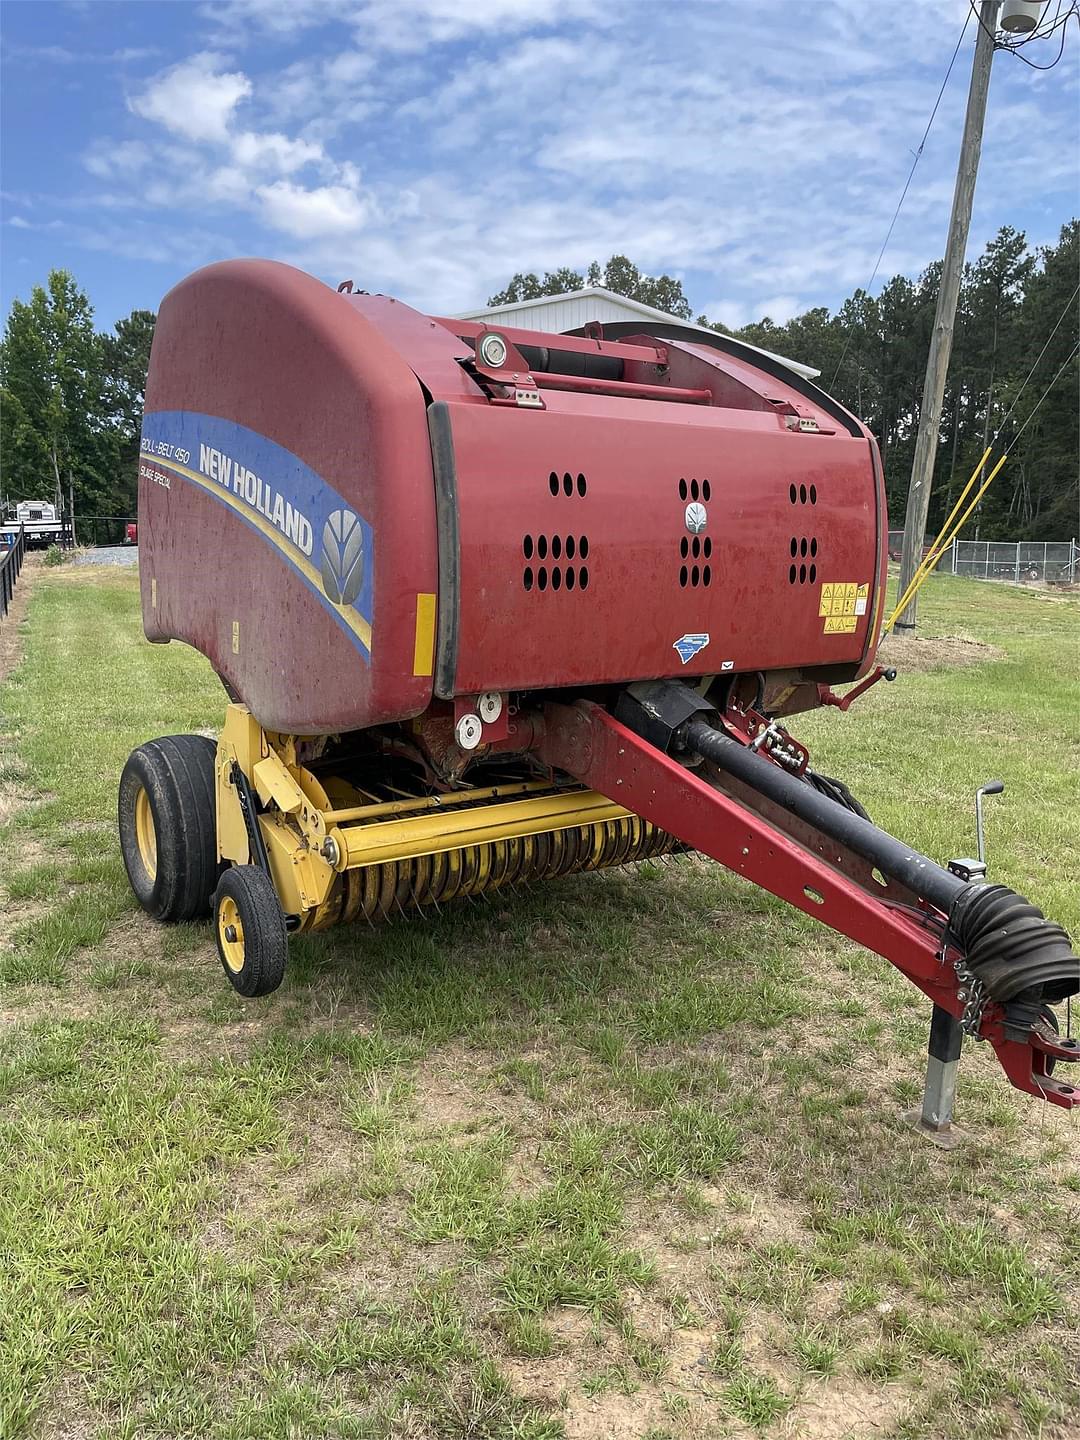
1020, 958
548, 361
835, 790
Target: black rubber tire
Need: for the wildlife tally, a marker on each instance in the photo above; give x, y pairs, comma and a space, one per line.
265, 939
177, 774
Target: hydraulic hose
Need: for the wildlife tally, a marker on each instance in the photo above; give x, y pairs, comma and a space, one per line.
835, 790
1018, 956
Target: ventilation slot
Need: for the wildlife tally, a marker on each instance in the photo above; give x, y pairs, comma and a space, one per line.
555, 576
695, 550
695, 490
802, 494
695, 575
801, 549
567, 484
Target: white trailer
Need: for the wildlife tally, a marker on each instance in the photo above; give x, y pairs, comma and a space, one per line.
40, 520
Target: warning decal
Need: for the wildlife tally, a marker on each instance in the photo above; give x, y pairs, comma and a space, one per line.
842, 603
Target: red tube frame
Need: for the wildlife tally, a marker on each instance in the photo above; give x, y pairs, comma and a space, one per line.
584, 740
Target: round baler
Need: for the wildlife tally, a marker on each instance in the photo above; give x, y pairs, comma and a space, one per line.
492, 606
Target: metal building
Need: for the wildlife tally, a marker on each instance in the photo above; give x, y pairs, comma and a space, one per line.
569, 314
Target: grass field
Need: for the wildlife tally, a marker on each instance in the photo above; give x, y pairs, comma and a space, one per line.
621, 1157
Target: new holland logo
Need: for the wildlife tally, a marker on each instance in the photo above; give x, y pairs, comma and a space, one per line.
342, 557
696, 517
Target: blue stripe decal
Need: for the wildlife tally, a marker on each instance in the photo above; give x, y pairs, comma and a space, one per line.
311, 526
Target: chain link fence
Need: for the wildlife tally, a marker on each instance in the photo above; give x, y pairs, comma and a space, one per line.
1023, 562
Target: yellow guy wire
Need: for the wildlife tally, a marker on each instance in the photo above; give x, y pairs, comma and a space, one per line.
946, 536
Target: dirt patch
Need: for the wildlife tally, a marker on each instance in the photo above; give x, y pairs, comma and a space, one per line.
847, 1410
11, 637
611, 1417
94, 575
14, 793
914, 653
290, 1196
445, 1095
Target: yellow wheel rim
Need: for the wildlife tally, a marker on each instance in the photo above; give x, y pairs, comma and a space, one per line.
231, 934
145, 834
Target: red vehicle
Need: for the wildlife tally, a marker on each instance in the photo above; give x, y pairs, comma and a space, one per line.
131, 533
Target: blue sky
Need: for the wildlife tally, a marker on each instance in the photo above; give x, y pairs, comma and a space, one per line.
430, 148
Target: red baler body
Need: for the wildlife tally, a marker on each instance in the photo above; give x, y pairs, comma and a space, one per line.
268, 391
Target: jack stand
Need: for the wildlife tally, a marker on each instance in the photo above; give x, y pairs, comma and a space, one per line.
934, 1119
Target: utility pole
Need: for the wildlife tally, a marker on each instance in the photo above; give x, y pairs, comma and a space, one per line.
937, 364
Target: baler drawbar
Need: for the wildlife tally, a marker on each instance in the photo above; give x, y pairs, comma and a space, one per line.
492, 607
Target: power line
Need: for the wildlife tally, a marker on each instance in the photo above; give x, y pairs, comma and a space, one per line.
1061, 370
903, 193
952, 527
1035, 366
1040, 32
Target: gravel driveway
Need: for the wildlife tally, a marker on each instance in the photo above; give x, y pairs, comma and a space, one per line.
109, 555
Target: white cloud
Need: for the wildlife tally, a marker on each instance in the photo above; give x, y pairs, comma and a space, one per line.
19, 222
313, 213
253, 151
109, 159
759, 160
278, 17
195, 98
400, 25
419, 24
348, 67
63, 55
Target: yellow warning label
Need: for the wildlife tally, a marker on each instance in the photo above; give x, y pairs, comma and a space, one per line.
841, 604
424, 647
236, 637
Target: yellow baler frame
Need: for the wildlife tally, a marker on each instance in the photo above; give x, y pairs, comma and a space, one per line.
310, 843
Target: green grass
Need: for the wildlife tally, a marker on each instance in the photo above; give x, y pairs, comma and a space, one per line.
628, 1146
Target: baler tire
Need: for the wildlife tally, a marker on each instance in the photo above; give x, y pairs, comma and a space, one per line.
168, 826
254, 956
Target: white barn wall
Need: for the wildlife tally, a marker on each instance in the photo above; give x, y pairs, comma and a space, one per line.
558, 314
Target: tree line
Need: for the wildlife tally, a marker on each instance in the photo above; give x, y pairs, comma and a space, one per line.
71, 402
71, 397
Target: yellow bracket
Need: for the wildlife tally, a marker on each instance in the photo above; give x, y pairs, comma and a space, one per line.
292, 823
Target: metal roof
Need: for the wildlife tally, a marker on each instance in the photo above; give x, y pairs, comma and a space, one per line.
571, 312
